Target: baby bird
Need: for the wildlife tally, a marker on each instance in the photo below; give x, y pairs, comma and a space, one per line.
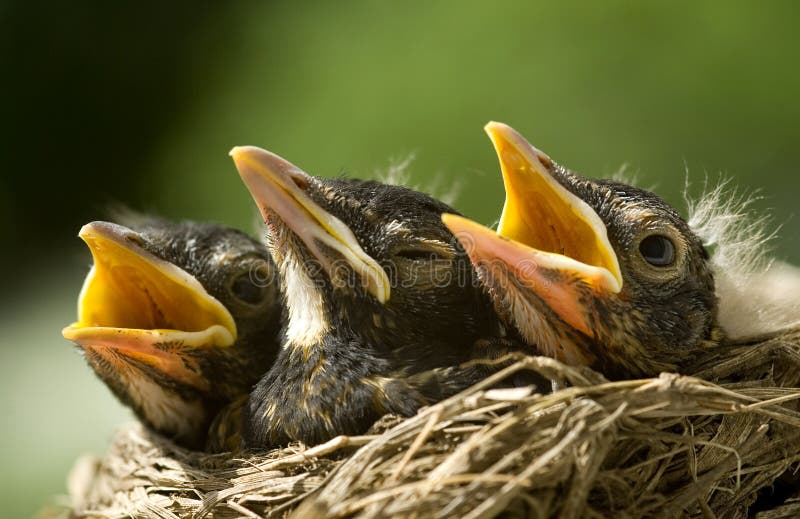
592, 272
381, 301
178, 319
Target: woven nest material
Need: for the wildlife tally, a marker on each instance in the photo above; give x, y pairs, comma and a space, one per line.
720, 443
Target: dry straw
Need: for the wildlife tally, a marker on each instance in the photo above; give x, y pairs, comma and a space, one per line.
715, 444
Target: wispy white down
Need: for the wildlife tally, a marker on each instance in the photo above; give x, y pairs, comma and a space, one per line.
756, 295
624, 175
438, 186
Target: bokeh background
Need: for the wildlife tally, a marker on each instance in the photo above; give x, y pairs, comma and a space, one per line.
108, 102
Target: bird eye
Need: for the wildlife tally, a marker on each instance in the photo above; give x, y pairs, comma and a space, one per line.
657, 250
245, 289
418, 254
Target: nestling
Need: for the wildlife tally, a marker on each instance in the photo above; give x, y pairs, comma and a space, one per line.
178, 319
592, 272
379, 297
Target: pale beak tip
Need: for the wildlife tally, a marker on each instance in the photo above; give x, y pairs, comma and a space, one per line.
453, 222
91, 231
85, 230
494, 126
237, 153
498, 131
68, 332
245, 158
504, 136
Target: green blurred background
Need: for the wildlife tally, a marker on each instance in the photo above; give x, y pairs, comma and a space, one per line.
110, 101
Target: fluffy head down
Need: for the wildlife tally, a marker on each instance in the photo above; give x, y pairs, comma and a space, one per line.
756, 295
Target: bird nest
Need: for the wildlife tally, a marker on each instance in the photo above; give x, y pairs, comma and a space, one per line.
723, 442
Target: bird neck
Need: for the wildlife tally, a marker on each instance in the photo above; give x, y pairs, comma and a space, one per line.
307, 320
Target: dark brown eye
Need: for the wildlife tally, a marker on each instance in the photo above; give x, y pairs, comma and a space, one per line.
245, 289
418, 254
657, 250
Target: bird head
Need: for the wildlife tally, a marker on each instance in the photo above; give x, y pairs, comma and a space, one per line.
591, 272
366, 257
177, 319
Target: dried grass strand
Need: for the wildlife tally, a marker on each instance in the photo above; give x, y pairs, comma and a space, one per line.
707, 444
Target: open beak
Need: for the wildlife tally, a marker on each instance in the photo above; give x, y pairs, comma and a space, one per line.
139, 306
550, 240
279, 187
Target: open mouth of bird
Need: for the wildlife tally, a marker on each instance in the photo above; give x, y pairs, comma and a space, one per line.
549, 239
279, 188
135, 304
